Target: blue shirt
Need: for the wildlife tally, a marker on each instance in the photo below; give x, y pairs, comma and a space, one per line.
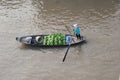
77, 30
68, 38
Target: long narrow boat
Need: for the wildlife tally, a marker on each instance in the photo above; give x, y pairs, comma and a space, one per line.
31, 40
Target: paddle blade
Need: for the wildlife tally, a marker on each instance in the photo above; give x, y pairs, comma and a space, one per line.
66, 53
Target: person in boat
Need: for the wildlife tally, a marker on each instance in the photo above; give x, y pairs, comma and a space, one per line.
68, 39
77, 31
38, 39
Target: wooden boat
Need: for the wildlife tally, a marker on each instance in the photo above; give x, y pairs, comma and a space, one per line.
31, 40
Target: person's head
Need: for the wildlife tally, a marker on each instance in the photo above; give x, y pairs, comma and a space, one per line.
75, 25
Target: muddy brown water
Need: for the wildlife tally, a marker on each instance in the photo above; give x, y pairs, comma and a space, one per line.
98, 59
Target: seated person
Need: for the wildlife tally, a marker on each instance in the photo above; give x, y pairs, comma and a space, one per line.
68, 39
38, 39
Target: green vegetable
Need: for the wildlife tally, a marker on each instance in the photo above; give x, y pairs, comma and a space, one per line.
54, 39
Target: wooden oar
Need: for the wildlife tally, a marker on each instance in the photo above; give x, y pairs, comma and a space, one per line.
68, 29
66, 52
68, 46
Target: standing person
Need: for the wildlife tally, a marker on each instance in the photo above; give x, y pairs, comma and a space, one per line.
77, 31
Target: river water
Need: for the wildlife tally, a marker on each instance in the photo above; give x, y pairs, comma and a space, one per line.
98, 59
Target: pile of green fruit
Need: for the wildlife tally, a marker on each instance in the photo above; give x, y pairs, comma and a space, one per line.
54, 39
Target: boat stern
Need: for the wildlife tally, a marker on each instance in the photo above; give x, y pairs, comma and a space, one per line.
18, 39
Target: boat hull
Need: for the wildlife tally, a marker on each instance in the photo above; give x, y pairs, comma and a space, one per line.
24, 39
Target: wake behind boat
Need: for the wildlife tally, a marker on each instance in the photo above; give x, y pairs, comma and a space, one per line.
50, 40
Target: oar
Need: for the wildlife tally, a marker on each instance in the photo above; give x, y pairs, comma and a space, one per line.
68, 46
66, 52
68, 29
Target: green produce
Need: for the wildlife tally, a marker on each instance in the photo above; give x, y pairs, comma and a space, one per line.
54, 39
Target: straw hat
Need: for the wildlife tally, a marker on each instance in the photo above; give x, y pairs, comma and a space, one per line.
37, 38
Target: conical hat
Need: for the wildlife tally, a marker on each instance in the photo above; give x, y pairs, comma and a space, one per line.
37, 38
75, 25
